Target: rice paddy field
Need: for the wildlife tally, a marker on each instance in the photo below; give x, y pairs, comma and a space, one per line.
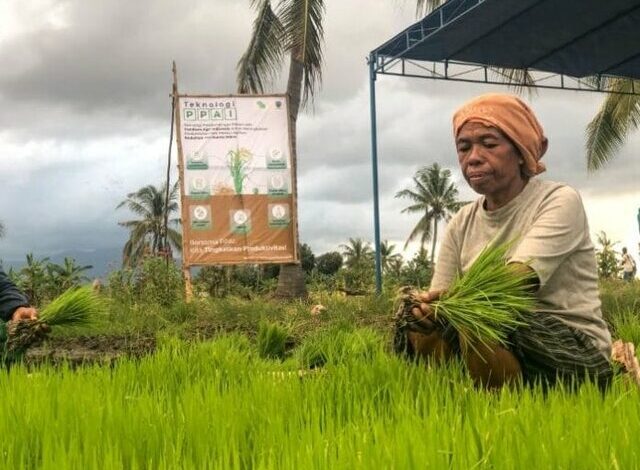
239, 384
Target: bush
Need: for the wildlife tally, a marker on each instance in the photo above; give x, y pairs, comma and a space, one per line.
160, 282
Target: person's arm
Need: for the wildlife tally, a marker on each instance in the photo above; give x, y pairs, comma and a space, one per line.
13, 304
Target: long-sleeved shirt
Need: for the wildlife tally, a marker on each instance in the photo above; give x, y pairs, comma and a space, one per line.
10, 297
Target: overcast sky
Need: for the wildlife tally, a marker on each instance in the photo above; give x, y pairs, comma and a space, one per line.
85, 115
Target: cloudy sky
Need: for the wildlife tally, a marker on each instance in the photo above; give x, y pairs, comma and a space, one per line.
85, 115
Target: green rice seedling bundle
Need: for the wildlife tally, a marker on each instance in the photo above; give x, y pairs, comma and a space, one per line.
272, 341
489, 300
75, 307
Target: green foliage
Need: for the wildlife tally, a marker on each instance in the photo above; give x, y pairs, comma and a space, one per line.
159, 282
418, 271
307, 258
329, 263
618, 296
271, 340
607, 258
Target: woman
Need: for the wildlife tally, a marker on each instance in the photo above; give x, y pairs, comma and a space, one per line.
500, 143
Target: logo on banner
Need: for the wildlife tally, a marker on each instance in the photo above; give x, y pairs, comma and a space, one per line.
276, 159
240, 221
200, 218
279, 215
277, 184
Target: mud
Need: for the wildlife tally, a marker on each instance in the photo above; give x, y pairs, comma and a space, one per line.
87, 350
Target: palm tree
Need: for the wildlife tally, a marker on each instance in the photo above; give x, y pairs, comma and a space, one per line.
293, 29
618, 116
147, 233
356, 253
387, 255
68, 274
435, 197
1, 230
33, 278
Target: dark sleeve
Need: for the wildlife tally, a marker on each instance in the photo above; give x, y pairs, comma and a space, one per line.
10, 297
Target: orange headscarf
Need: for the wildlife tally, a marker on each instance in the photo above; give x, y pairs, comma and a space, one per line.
514, 118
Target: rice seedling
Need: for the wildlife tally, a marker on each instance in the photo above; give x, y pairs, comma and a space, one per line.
238, 163
75, 307
217, 405
488, 302
271, 340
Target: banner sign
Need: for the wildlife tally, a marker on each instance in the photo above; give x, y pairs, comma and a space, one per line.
237, 180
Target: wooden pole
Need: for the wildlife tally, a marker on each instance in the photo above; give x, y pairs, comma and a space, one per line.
186, 272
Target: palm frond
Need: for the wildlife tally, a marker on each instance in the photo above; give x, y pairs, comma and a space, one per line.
262, 60
608, 130
302, 22
519, 80
424, 7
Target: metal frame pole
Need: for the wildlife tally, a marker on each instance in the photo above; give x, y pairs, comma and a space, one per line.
374, 168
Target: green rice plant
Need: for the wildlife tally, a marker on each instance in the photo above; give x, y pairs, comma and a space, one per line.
488, 301
75, 307
272, 340
238, 163
626, 326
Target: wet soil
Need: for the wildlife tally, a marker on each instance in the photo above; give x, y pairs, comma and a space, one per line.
86, 350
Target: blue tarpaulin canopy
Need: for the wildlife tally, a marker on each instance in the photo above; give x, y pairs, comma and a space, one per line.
556, 41
571, 37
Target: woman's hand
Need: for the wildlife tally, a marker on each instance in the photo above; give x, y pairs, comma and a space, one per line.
24, 313
423, 311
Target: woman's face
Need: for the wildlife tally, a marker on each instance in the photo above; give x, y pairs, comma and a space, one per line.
490, 163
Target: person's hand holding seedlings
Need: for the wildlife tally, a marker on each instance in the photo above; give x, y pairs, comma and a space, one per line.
423, 313
24, 313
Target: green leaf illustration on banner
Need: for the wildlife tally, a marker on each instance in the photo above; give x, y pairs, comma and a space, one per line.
238, 162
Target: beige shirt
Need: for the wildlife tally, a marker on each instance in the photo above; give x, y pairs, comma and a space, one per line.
549, 224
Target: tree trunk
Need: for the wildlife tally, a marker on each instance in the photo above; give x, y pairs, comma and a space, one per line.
433, 243
291, 283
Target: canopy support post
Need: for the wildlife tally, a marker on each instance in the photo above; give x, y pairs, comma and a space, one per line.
374, 168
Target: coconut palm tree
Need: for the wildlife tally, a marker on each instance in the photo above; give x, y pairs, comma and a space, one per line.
387, 255
435, 197
147, 233
293, 30
356, 253
1, 230
33, 278
67, 274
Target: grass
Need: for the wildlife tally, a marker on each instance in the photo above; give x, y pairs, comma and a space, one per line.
223, 403
217, 404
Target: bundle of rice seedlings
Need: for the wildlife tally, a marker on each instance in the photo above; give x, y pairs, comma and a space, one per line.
75, 307
272, 341
488, 301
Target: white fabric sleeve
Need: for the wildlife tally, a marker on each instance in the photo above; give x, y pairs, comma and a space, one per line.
558, 229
